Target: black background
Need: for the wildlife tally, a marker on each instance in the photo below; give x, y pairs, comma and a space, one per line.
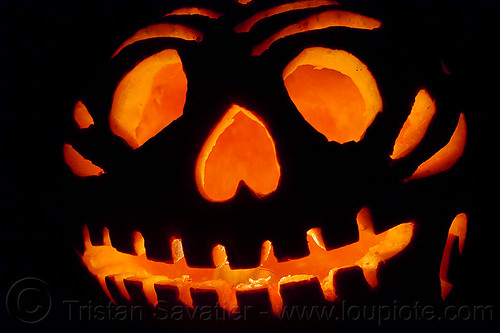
50, 53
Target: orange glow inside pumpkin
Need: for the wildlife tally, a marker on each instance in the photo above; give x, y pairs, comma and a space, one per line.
367, 253
326, 19
246, 25
82, 115
162, 30
239, 149
196, 11
415, 126
334, 91
79, 164
149, 98
447, 156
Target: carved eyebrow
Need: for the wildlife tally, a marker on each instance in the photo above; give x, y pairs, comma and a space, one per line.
195, 11
162, 30
327, 19
246, 25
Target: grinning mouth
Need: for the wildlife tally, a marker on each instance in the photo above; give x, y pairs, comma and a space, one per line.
322, 264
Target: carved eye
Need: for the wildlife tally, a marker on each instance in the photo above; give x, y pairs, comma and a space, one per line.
334, 91
148, 98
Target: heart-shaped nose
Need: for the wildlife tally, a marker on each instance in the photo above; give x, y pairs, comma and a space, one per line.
240, 149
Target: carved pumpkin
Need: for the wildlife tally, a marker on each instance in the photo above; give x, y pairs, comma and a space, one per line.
241, 148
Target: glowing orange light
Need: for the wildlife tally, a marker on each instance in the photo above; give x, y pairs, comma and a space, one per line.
82, 115
239, 148
415, 126
246, 25
334, 91
458, 229
149, 98
447, 156
162, 30
327, 19
321, 263
78, 164
195, 11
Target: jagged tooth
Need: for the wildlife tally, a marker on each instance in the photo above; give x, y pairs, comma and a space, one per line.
264, 252
148, 287
86, 238
106, 240
364, 221
328, 286
369, 264
315, 240
102, 281
120, 284
183, 285
185, 295
177, 251
370, 274
227, 297
150, 292
229, 302
139, 247
267, 254
219, 255
275, 298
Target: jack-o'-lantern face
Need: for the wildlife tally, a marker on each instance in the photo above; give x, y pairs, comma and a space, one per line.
238, 149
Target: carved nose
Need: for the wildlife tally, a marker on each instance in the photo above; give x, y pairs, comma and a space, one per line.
240, 149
